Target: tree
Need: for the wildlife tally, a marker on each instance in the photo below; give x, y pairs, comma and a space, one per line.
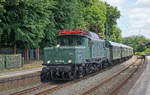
94, 15
112, 15
137, 42
25, 22
67, 14
35, 23
116, 35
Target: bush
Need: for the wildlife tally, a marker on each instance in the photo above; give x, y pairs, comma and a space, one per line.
146, 51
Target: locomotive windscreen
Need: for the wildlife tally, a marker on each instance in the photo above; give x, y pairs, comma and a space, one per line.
70, 40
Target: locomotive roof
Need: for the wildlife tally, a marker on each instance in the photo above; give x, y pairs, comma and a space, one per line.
93, 35
114, 44
90, 35
85, 33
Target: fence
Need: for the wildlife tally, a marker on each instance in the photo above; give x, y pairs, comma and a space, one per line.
2, 62
10, 61
32, 53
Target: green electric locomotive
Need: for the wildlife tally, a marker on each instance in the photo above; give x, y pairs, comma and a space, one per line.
79, 53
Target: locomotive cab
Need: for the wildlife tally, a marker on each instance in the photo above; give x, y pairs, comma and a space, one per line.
62, 60
70, 49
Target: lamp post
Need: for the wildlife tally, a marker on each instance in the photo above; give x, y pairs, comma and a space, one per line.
106, 31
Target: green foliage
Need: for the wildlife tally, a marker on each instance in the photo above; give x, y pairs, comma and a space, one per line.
35, 23
96, 15
146, 51
25, 21
67, 14
137, 42
2, 10
116, 35
112, 15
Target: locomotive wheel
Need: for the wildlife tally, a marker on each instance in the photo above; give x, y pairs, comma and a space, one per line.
91, 68
48, 76
42, 76
45, 75
63, 75
71, 75
96, 67
87, 71
80, 72
80, 75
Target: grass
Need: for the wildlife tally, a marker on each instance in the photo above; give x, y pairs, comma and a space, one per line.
147, 51
27, 65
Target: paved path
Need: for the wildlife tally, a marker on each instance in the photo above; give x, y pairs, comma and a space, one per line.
142, 86
18, 73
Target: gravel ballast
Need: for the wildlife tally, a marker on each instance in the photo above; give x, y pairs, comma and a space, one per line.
84, 85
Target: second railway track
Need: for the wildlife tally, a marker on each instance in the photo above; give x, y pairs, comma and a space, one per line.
137, 63
51, 90
52, 87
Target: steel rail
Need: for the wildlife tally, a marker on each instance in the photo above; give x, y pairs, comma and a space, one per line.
48, 84
54, 88
51, 90
114, 92
31, 89
107, 80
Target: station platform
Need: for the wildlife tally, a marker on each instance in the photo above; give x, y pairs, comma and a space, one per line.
142, 85
19, 73
19, 79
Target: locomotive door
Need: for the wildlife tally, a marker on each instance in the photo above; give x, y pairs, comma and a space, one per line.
121, 52
90, 47
111, 53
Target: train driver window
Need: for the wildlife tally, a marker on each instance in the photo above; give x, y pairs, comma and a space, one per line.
79, 41
70, 42
90, 43
62, 42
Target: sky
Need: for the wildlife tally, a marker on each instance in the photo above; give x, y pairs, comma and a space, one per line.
135, 16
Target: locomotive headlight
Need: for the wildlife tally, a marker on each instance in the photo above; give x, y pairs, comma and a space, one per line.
69, 61
48, 62
58, 46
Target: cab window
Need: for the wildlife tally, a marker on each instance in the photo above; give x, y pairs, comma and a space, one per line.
79, 41
62, 42
70, 40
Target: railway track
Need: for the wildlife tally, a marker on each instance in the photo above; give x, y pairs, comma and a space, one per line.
114, 92
51, 89
100, 84
31, 89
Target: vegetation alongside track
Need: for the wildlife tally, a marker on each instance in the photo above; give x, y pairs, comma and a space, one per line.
138, 44
146, 51
35, 23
